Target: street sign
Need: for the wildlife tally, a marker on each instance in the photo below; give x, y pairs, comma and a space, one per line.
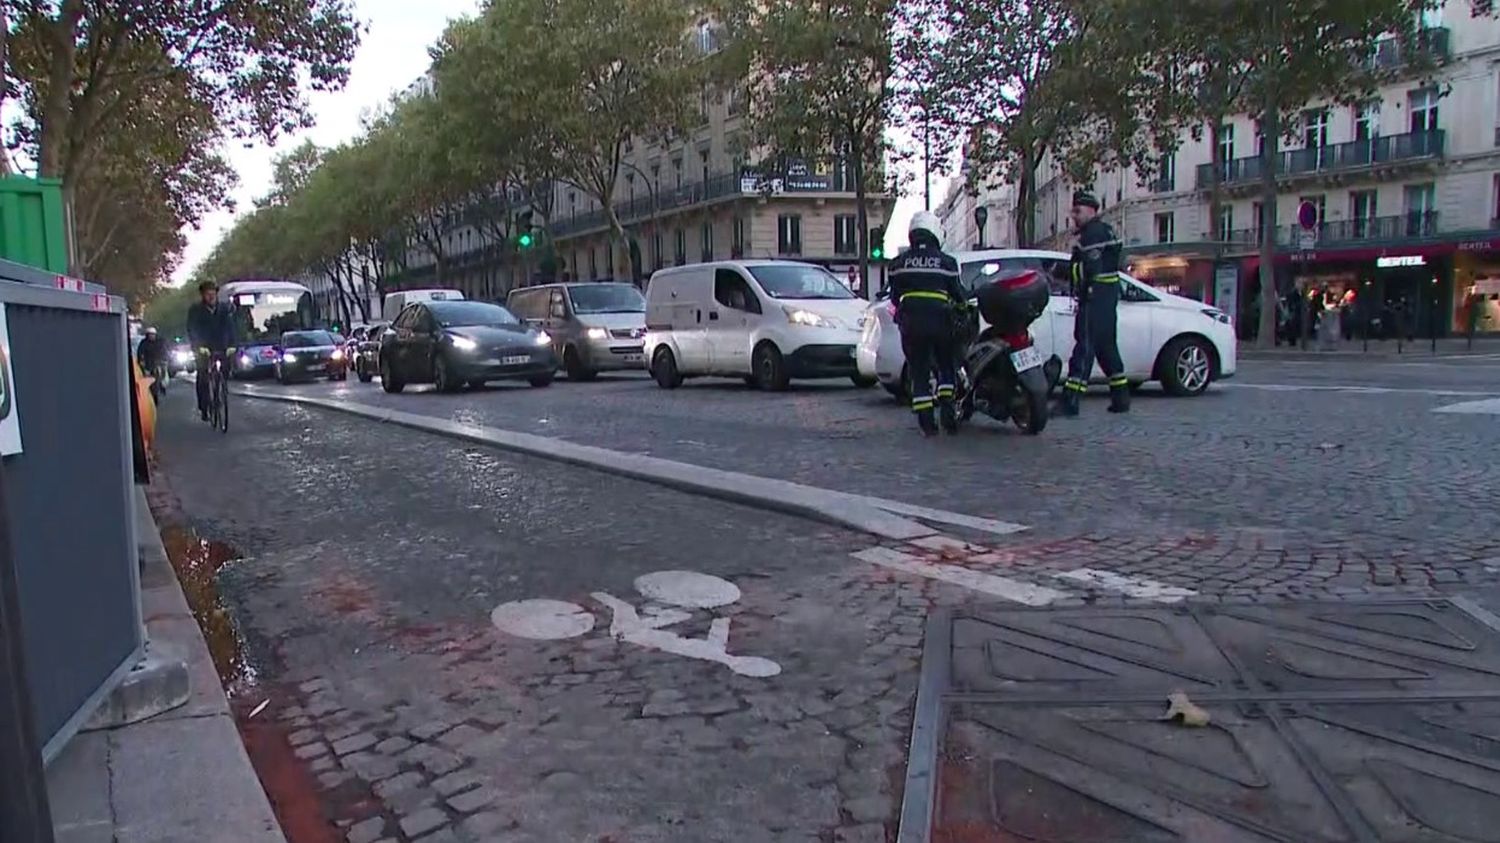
1307, 215
1307, 240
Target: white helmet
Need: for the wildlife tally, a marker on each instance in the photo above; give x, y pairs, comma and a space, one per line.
926, 221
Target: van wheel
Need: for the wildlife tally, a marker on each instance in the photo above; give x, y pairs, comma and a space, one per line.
751, 382
573, 364
770, 368
664, 369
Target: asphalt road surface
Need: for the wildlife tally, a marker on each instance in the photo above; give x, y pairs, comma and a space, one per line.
368, 561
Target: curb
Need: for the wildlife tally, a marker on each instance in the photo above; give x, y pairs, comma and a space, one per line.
887, 519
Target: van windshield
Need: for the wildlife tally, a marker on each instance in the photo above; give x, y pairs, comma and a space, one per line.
793, 281
606, 298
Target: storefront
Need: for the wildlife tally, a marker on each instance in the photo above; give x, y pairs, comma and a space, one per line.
1476, 286
1189, 277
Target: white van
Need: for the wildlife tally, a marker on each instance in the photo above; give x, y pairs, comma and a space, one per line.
395, 302
765, 321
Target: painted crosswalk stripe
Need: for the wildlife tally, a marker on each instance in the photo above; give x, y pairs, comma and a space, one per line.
997, 586
1140, 588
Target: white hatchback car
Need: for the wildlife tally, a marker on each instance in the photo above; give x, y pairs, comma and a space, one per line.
1184, 344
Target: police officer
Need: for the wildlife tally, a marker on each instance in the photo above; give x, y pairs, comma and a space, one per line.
926, 292
1096, 288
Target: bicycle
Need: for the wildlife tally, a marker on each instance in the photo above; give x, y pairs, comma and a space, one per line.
218, 390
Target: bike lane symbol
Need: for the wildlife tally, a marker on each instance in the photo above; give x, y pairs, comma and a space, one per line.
555, 620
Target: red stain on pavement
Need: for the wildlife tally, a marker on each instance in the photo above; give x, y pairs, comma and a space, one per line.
295, 794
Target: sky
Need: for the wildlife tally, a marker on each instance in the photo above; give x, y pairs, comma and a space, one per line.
392, 55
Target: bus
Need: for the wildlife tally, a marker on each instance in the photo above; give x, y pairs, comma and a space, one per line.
263, 311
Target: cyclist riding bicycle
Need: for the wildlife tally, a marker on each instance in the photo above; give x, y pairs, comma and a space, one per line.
210, 326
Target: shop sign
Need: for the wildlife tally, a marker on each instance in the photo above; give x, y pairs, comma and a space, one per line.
1227, 291
10, 410
1393, 261
1479, 245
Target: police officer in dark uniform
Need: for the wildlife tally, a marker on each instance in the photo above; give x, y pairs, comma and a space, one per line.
926, 292
1096, 289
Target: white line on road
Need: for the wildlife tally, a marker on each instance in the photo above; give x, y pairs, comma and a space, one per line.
1488, 407
1143, 589
1355, 389
1002, 587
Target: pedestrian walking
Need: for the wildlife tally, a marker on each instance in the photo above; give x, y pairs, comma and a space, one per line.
1096, 289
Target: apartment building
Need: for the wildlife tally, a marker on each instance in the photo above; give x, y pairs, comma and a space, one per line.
1403, 190
958, 212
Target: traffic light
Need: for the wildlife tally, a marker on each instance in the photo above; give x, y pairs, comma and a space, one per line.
877, 244
524, 237
525, 240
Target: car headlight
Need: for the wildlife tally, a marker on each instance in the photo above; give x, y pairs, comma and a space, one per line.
288, 357
338, 354
1216, 314
181, 356
464, 344
543, 338
244, 360
806, 318
597, 334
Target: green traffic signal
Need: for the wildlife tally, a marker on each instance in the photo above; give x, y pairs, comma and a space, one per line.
876, 253
525, 240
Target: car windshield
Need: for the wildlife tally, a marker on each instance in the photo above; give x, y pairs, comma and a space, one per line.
606, 298
794, 281
307, 339
462, 314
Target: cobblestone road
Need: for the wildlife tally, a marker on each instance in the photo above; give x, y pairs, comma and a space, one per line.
373, 556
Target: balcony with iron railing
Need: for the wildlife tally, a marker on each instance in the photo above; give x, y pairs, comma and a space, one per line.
746, 182
1339, 157
1432, 44
1416, 225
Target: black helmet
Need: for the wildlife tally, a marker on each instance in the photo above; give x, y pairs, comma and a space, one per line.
204, 286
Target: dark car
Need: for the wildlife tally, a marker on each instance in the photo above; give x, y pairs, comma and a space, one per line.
305, 355
452, 343
366, 355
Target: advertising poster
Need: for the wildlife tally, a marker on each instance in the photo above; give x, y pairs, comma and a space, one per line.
10, 411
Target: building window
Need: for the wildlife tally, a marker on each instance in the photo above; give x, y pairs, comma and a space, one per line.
738, 242
706, 240
1424, 110
707, 38
1167, 182
593, 264
1258, 213
736, 101
789, 234
1421, 209
703, 160
1495, 213
681, 243
845, 234
1226, 142
656, 177
1260, 140
1166, 227
1362, 206
677, 172
1367, 121
1315, 128
1226, 221
658, 256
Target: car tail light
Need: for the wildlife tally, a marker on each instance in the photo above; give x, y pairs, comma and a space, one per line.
1018, 341
1020, 279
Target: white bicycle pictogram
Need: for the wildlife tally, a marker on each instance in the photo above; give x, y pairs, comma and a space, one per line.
668, 593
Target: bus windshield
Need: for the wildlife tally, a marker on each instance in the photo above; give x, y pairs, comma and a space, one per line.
265, 315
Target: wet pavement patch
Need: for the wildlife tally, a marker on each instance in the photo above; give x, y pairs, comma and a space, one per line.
1360, 722
198, 561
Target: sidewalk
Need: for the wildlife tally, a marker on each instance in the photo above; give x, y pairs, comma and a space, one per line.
1488, 344
180, 776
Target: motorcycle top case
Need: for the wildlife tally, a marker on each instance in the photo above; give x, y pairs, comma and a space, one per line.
1011, 303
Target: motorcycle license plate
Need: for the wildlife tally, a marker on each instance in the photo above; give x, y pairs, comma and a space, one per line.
1026, 358
515, 359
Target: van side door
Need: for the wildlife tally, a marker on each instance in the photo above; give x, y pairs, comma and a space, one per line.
732, 319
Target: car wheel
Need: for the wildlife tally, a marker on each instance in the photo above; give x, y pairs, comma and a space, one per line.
770, 368
573, 364
542, 380
442, 375
863, 382
388, 380
1186, 366
664, 369
365, 375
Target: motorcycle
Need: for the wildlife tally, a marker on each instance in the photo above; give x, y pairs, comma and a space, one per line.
1003, 374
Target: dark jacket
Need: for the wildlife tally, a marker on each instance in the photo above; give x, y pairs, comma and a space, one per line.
211, 328
925, 285
1096, 258
151, 352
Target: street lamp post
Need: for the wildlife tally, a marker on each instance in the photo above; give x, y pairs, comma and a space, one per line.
981, 216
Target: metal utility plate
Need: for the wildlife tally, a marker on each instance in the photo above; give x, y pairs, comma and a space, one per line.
1335, 722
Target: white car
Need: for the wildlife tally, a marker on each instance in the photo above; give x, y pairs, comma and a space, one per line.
1184, 344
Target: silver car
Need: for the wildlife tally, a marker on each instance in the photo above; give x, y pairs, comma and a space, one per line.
595, 326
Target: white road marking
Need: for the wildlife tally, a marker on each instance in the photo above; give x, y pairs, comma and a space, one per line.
630, 627
1143, 589
542, 620
1355, 389
1002, 587
688, 589
1487, 407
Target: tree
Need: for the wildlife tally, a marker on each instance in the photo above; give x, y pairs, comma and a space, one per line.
587, 76
79, 63
1277, 59
821, 88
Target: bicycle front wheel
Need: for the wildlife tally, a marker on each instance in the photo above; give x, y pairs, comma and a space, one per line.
223, 403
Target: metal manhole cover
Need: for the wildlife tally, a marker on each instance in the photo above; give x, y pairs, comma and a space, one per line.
1342, 722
